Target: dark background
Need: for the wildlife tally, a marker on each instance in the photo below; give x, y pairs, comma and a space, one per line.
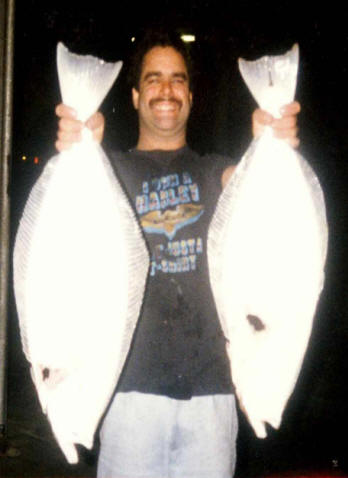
312, 435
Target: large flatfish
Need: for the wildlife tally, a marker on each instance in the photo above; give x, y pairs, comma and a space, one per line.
80, 266
267, 248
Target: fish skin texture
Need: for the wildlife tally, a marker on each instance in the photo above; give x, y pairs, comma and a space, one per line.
80, 267
267, 246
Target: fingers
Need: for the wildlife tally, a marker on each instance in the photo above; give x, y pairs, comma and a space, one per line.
284, 123
70, 128
293, 142
64, 111
66, 139
95, 121
284, 127
96, 124
260, 119
69, 132
292, 109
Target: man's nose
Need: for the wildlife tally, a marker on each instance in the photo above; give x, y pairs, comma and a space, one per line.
166, 88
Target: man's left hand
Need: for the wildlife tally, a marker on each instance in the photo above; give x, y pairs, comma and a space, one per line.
284, 127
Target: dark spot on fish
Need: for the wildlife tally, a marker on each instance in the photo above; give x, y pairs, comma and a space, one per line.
256, 322
45, 373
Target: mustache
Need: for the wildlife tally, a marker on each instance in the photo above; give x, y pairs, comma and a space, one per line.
170, 99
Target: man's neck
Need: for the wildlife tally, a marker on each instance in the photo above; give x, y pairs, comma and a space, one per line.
147, 143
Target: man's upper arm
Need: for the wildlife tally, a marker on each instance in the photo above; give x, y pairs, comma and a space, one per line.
227, 174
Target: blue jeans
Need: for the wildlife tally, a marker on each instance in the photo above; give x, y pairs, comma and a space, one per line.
151, 436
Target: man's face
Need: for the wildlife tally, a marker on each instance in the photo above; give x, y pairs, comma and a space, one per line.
164, 97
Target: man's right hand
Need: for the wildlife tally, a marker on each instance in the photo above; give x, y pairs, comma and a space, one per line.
284, 127
70, 128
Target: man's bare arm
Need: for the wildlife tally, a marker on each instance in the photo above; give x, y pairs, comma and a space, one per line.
227, 174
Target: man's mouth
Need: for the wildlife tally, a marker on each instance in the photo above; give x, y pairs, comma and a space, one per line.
165, 105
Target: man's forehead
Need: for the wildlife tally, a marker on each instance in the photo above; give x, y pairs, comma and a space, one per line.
159, 59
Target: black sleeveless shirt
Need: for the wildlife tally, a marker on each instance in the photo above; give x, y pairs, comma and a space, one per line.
178, 349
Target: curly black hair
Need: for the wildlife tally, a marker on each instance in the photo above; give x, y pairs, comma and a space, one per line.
150, 39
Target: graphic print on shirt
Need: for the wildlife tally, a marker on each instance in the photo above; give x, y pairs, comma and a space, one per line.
166, 205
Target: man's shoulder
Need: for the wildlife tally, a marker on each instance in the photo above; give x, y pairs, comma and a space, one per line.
216, 161
121, 160
115, 153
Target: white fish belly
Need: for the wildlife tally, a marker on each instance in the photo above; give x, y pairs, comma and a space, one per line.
80, 265
266, 248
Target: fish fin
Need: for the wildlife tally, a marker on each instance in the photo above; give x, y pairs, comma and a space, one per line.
272, 79
84, 76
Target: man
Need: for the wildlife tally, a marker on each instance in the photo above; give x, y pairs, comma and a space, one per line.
174, 411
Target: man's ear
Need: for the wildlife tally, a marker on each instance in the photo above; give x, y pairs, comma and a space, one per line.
135, 98
191, 98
